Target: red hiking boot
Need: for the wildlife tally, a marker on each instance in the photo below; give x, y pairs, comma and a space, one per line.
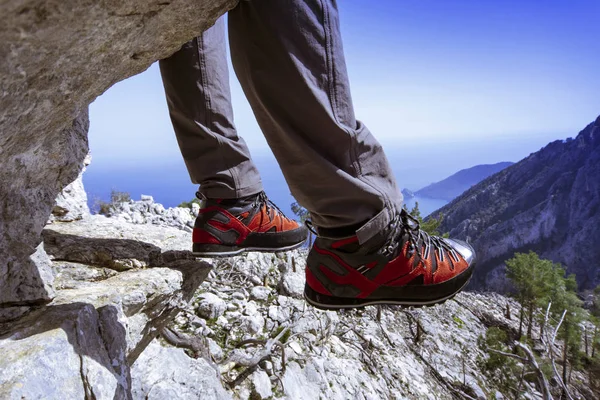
403, 266
226, 227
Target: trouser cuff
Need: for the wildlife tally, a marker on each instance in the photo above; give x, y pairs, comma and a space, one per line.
223, 192
375, 225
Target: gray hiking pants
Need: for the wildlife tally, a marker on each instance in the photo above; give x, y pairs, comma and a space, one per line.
289, 59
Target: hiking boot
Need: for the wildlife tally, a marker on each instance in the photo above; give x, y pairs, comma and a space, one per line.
226, 227
404, 265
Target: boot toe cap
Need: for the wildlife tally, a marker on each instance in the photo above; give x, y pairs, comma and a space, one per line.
464, 249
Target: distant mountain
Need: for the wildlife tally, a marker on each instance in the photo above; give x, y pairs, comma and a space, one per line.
407, 194
548, 202
451, 187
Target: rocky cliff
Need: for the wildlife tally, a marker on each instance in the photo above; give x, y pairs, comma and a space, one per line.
56, 57
548, 202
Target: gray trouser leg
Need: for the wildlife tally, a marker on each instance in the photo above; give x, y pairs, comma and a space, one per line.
196, 82
289, 59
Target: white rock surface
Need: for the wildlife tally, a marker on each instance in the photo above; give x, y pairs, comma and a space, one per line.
71, 203
145, 211
211, 306
163, 373
240, 321
262, 384
84, 342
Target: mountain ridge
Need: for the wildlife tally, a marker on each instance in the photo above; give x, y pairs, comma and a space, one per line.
452, 186
548, 202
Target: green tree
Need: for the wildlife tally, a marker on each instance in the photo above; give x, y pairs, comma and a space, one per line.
552, 288
429, 225
304, 215
570, 330
501, 370
595, 319
532, 278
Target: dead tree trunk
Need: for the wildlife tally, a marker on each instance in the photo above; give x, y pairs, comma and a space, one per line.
530, 318
521, 317
565, 364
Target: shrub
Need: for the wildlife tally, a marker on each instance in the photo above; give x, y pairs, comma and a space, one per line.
188, 204
116, 198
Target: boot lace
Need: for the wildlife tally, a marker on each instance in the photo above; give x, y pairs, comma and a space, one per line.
406, 228
271, 208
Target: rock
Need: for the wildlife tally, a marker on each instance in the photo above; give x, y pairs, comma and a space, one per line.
146, 211
71, 203
168, 373
297, 385
83, 343
252, 324
215, 350
296, 347
158, 209
195, 209
211, 306
32, 172
262, 384
292, 284
238, 296
70, 275
57, 57
260, 293
95, 241
292, 278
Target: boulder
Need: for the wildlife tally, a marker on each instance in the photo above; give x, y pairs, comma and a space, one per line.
57, 57
168, 373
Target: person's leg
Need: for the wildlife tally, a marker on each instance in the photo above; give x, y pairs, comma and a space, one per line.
289, 59
196, 82
288, 56
236, 215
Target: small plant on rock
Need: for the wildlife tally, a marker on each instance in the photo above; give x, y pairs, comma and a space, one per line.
116, 198
188, 204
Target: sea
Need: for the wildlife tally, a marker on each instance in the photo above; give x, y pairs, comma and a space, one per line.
170, 185
414, 166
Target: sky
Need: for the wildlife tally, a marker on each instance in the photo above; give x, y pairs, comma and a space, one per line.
498, 78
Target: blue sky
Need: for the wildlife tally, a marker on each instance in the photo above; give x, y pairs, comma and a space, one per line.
507, 76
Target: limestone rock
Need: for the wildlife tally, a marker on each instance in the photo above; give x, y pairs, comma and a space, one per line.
260, 293
69, 275
262, 384
71, 203
292, 277
57, 57
211, 306
168, 373
111, 243
145, 211
29, 183
83, 344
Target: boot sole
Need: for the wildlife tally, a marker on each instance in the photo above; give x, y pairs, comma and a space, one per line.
218, 250
325, 302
